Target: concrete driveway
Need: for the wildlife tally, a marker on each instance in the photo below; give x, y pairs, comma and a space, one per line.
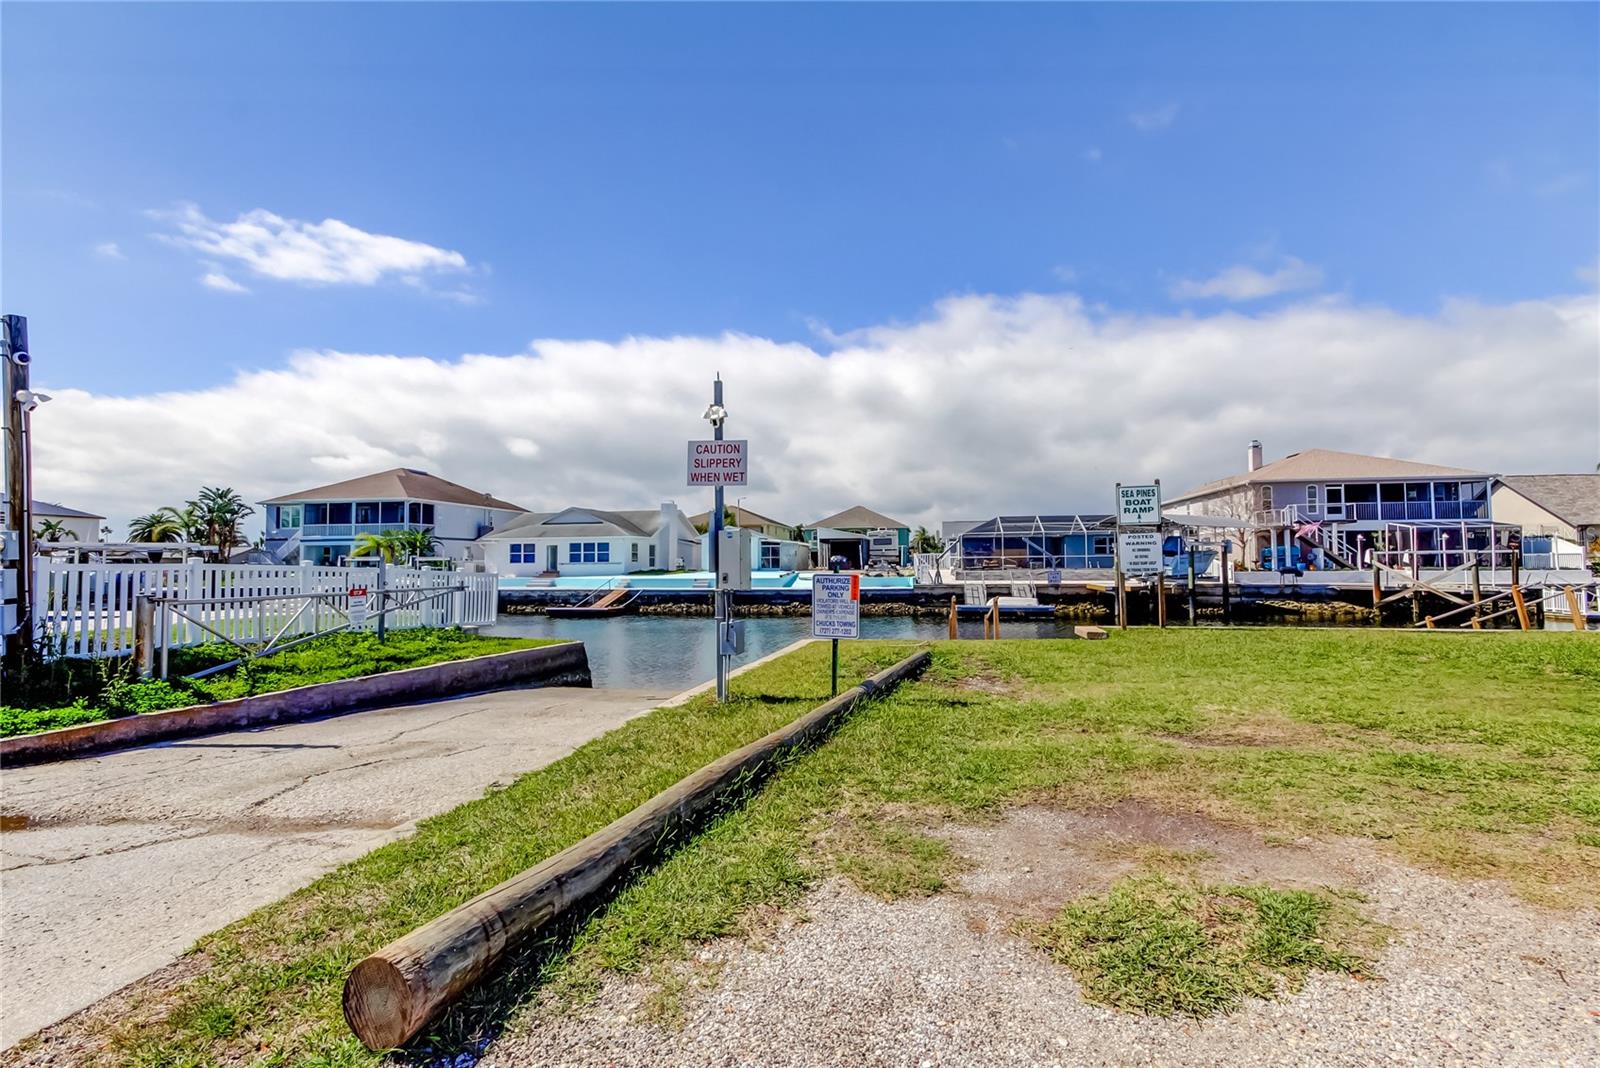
112, 866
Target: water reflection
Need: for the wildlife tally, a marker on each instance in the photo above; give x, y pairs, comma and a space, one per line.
677, 652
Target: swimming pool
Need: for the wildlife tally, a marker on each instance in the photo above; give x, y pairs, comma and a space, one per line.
689, 580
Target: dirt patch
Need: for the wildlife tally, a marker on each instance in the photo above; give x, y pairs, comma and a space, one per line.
1472, 975
990, 684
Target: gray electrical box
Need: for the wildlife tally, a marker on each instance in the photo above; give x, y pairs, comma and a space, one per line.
734, 547
732, 643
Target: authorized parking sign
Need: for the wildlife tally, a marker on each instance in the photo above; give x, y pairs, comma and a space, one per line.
835, 606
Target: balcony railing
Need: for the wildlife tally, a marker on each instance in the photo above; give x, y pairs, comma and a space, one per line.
348, 530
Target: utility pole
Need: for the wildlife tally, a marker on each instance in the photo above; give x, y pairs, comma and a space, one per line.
18, 401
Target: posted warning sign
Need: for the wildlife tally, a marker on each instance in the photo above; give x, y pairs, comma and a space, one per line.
835, 606
718, 463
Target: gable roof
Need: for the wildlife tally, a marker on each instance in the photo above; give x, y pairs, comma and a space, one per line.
1574, 499
741, 516
580, 523
859, 518
1315, 465
406, 483
47, 508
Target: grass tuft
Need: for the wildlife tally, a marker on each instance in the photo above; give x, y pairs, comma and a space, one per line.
1160, 946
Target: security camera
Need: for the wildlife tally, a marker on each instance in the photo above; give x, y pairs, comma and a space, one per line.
30, 399
21, 358
716, 414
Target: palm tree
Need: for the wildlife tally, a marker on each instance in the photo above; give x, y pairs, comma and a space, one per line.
52, 530
217, 512
163, 524
926, 541
384, 544
414, 542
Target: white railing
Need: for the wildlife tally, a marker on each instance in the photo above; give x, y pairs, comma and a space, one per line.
87, 610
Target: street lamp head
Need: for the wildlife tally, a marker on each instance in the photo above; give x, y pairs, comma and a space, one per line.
30, 399
716, 414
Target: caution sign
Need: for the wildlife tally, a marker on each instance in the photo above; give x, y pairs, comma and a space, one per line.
718, 463
835, 606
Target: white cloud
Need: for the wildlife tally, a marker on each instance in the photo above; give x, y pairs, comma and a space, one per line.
1153, 119
1242, 282
109, 250
1093, 154
219, 281
329, 252
987, 404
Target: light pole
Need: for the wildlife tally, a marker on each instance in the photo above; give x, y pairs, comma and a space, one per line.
716, 415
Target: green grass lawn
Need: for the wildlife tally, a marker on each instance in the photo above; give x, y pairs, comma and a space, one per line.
65, 693
1475, 755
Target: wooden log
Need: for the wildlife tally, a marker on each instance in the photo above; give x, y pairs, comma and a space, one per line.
391, 995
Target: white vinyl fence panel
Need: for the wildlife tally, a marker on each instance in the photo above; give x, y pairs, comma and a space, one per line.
87, 610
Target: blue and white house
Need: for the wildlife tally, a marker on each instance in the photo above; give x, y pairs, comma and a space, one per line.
1338, 507
320, 525
592, 541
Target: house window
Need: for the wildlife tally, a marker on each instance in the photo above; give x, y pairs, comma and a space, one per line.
524, 553
421, 514
652, 555
392, 513
1313, 498
770, 558
1266, 498
316, 514
367, 511
288, 516
589, 552
339, 513
635, 556
1100, 545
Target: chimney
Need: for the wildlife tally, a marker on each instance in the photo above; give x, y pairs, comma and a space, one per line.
1255, 455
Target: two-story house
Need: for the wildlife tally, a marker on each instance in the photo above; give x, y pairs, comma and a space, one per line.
1340, 506
322, 524
862, 537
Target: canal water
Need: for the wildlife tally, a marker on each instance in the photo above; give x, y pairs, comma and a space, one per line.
677, 652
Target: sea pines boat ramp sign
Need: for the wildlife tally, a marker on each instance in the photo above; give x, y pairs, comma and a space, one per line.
835, 606
718, 463
1138, 506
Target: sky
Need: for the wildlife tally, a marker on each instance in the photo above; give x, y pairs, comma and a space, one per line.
950, 260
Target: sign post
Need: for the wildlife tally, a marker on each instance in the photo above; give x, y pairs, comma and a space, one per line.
718, 463
835, 612
1138, 539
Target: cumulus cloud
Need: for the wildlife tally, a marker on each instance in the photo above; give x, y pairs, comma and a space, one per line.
329, 252
218, 280
1242, 282
109, 250
987, 404
1093, 155
1153, 119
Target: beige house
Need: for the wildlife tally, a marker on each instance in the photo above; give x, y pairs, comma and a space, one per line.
745, 519
1555, 506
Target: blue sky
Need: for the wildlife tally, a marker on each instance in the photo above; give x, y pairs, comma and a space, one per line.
781, 171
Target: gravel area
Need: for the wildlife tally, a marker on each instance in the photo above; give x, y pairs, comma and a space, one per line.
1472, 976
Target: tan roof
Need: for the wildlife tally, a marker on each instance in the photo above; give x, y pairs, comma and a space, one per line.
858, 518
1317, 465
400, 483
744, 517
1574, 499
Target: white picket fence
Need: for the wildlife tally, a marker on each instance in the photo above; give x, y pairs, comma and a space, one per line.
87, 610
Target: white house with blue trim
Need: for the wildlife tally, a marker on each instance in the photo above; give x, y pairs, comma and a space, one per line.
592, 541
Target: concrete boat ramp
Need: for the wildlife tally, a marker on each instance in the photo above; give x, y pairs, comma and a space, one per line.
112, 866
